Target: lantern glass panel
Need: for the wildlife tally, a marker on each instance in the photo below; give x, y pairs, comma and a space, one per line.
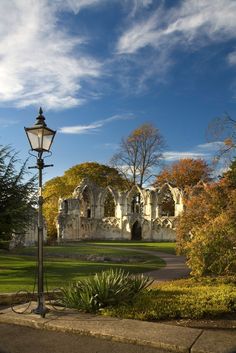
40, 138
48, 136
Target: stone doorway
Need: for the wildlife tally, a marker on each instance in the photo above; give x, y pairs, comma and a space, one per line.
136, 231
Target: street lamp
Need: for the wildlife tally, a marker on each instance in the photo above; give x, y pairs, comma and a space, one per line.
40, 138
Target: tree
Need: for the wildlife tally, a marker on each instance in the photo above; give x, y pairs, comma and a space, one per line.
206, 230
53, 189
230, 175
184, 173
16, 195
100, 174
222, 130
139, 153
64, 186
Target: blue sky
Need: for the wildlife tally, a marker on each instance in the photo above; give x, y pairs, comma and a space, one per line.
101, 68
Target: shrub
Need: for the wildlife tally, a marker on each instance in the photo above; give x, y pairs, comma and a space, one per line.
206, 230
211, 250
108, 288
206, 298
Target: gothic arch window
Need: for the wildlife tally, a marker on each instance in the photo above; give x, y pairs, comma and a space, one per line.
109, 205
167, 204
136, 205
135, 200
65, 206
85, 206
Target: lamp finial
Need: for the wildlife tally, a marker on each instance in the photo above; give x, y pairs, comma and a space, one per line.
40, 120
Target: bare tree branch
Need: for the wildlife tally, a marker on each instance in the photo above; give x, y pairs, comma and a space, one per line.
139, 153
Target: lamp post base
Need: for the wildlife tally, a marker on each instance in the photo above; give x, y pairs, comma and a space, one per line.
41, 310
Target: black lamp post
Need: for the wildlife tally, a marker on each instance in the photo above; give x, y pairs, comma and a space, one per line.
40, 138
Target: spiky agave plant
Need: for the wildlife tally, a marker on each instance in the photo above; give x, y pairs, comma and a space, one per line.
108, 288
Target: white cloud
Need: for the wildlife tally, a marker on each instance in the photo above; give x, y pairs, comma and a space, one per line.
232, 58
172, 156
38, 64
75, 5
191, 24
149, 41
137, 5
110, 146
7, 122
203, 151
211, 146
94, 126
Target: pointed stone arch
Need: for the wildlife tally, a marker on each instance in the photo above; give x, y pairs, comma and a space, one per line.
108, 203
136, 231
166, 201
135, 200
86, 202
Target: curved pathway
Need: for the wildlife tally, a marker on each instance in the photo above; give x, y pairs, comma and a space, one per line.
175, 267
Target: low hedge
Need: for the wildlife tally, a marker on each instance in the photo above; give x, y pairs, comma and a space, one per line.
193, 299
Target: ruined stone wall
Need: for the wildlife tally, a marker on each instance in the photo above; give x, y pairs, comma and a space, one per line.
134, 214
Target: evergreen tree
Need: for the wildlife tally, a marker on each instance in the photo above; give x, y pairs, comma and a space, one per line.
16, 195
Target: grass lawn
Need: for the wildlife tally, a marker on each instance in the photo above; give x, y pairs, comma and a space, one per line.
181, 299
167, 247
18, 268
90, 248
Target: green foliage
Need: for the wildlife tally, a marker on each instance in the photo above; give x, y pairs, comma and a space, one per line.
16, 195
100, 174
206, 298
108, 288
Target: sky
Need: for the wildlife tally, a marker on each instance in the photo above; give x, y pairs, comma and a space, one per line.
101, 68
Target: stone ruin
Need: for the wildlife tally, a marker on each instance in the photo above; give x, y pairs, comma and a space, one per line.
94, 213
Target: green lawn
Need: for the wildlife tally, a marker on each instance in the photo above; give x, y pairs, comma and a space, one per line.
167, 247
18, 268
91, 248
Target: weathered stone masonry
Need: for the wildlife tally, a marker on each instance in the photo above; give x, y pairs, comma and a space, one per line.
106, 213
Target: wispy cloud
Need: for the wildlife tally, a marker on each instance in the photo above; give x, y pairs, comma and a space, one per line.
203, 151
7, 122
94, 126
211, 146
137, 5
186, 25
172, 156
192, 23
232, 58
40, 62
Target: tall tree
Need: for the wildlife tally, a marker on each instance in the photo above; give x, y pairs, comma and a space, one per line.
184, 173
16, 195
222, 130
139, 153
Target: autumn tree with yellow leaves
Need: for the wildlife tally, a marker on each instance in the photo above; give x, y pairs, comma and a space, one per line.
206, 230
